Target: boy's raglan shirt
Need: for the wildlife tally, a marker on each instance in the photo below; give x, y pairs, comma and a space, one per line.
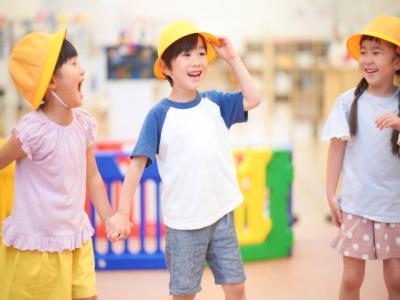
191, 143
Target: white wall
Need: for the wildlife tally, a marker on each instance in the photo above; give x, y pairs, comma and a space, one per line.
241, 18
104, 20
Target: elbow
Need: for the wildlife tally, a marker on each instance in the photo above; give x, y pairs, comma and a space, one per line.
255, 102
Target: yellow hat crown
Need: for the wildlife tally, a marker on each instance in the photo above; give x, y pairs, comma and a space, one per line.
174, 32
32, 63
383, 27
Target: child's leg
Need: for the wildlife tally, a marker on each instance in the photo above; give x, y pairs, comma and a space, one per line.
234, 291
391, 273
83, 273
352, 278
223, 257
185, 253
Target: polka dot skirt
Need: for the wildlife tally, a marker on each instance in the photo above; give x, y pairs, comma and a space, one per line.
366, 239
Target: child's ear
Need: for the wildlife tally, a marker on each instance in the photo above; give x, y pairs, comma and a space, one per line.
52, 84
164, 68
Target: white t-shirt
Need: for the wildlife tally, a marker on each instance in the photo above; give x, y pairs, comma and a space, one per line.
194, 158
371, 172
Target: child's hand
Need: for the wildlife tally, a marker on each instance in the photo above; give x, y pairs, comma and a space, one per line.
388, 121
118, 227
335, 211
225, 49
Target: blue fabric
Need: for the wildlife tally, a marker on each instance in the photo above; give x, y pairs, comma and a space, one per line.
150, 134
231, 108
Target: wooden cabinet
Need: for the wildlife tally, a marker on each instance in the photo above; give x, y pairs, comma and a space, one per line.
290, 70
336, 81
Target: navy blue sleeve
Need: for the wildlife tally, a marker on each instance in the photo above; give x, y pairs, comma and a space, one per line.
149, 138
231, 106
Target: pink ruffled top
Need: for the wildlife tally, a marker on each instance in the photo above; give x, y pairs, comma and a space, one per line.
50, 184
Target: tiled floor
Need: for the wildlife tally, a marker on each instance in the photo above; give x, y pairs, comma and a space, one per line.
314, 269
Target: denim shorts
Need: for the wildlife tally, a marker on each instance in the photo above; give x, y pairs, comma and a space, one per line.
187, 251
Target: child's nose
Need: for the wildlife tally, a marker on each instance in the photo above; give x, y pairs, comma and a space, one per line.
81, 70
196, 61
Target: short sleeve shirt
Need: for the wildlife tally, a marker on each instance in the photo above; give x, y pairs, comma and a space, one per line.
191, 144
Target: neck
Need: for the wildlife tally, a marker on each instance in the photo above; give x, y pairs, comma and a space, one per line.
56, 113
382, 90
182, 95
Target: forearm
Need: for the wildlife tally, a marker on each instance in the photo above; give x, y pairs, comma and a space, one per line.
131, 181
251, 94
99, 198
334, 166
11, 151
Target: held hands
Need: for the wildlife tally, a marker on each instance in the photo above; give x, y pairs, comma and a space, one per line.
225, 49
335, 211
118, 227
388, 121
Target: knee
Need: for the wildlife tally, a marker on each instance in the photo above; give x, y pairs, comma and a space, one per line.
392, 280
352, 281
235, 291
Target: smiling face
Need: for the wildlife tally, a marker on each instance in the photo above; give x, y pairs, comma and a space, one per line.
378, 62
187, 70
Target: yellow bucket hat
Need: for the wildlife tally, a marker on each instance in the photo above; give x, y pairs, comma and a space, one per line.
32, 63
384, 27
174, 32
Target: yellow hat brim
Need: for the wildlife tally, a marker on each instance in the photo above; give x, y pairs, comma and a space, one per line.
210, 39
386, 28
32, 63
353, 42
49, 66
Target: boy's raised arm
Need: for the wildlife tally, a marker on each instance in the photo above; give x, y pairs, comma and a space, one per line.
251, 95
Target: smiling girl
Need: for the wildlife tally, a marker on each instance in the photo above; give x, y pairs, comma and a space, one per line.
363, 130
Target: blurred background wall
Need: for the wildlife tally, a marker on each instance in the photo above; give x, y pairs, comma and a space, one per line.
294, 48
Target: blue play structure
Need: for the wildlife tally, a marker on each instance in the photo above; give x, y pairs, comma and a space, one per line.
125, 259
263, 221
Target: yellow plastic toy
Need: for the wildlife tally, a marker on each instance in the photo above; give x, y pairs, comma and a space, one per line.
253, 223
6, 189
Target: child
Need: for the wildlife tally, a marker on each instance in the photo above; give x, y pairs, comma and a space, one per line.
46, 250
188, 132
363, 129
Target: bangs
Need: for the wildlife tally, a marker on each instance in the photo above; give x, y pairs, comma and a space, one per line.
369, 38
185, 44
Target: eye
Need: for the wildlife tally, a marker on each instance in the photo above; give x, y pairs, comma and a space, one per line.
203, 53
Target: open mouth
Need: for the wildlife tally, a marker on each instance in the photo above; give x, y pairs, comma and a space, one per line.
80, 87
194, 74
370, 71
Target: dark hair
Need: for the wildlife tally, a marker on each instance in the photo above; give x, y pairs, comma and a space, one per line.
360, 89
184, 44
67, 52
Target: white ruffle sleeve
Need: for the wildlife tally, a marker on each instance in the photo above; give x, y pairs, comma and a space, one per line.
337, 124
